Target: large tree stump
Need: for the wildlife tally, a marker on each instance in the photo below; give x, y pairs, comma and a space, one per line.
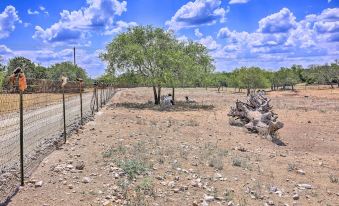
256, 115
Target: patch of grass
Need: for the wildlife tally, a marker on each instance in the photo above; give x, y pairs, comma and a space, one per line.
216, 161
132, 167
240, 162
145, 186
111, 151
228, 195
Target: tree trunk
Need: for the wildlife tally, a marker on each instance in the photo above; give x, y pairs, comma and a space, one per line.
219, 89
331, 85
292, 87
256, 115
173, 93
248, 91
155, 95
159, 94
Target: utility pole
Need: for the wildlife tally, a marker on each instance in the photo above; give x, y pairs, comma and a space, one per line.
74, 56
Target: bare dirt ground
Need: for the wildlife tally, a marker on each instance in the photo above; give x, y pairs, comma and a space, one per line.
134, 154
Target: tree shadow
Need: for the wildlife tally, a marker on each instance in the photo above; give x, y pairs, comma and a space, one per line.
179, 106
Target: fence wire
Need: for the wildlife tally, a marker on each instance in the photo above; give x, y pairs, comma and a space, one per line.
42, 126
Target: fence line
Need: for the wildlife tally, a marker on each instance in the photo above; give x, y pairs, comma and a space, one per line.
22, 147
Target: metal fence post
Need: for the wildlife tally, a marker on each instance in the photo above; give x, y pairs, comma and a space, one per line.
81, 122
22, 139
64, 112
96, 98
101, 98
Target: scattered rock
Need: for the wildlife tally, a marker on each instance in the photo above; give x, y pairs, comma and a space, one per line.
304, 186
295, 197
80, 165
38, 184
301, 172
86, 180
208, 198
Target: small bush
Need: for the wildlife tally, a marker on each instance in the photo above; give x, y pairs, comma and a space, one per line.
132, 167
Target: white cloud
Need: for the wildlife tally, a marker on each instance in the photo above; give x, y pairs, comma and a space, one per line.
197, 13
209, 42
30, 12
197, 33
280, 22
120, 26
8, 18
282, 43
76, 25
4, 50
238, 1
37, 12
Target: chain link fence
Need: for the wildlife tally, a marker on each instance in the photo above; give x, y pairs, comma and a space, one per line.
48, 114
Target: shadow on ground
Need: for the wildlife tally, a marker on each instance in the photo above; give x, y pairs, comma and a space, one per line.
179, 106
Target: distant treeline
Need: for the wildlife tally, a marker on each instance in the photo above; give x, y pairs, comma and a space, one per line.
251, 78
34, 71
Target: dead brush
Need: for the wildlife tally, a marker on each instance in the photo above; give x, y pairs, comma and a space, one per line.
242, 162
214, 156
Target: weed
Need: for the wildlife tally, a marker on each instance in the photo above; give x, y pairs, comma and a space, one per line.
146, 186
228, 195
109, 153
132, 167
240, 162
216, 161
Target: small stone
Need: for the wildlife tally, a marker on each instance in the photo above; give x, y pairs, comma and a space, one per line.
107, 203
176, 190
301, 172
295, 197
208, 198
86, 180
171, 184
270, 202
304, 186
80, 165
69, 167
230, 203
70, 187
38, 184
273, 189
195, 203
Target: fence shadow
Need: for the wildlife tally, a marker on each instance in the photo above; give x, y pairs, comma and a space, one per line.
179, 106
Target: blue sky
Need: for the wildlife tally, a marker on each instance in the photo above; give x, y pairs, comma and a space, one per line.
266, 33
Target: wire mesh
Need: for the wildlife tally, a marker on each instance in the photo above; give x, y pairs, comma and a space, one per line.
42, 123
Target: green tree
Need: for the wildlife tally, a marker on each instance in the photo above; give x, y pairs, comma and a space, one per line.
157, 56
21, 62
68, 69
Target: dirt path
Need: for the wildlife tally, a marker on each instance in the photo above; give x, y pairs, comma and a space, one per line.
189, 156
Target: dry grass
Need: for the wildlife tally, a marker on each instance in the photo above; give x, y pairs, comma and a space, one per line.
10, 102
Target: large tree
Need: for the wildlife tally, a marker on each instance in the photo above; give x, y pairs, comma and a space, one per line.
157, 56
71, 71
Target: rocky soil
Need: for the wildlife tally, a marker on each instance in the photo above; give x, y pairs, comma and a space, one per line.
137, 154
